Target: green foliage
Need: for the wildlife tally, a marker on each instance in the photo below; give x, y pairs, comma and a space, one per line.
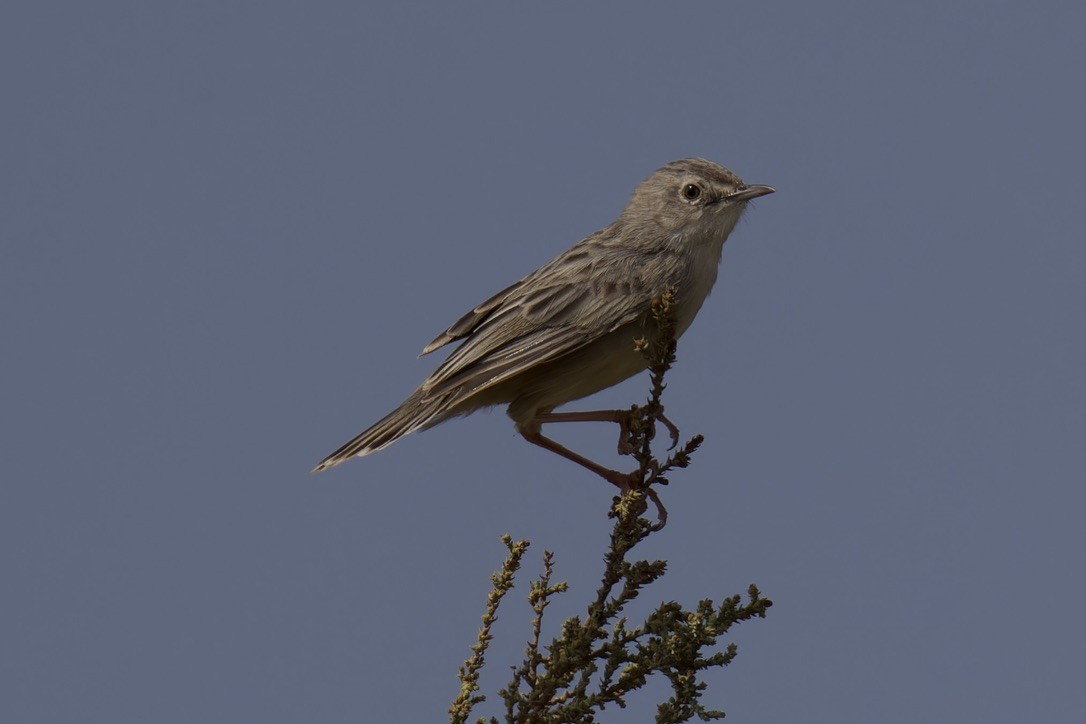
597, 659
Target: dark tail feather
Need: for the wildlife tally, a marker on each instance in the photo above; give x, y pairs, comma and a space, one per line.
415, 413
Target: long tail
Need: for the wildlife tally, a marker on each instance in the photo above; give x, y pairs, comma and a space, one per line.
417, 412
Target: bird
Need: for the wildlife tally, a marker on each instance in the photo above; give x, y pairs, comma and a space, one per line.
568, 329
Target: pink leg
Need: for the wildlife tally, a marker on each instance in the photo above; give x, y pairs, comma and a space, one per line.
533, 435
530, 432
622, 417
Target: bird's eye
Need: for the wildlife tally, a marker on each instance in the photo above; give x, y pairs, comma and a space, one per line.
691, 192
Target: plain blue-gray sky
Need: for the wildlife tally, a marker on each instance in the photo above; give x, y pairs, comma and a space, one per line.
228, 228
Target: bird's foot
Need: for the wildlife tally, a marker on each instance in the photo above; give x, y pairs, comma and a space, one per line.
627, 438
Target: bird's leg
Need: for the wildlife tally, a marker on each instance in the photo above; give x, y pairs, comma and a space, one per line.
621, 417
530, 432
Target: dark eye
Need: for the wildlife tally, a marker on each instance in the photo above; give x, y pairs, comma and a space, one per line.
691, 192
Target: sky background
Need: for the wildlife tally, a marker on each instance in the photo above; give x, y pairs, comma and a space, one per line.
228, 228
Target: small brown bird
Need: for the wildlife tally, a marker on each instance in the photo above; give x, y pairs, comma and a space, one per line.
567, 330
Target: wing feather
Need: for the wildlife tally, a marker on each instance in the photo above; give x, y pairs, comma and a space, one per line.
466, 324
544, 317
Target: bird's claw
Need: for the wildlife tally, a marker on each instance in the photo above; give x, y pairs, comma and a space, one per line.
672, 429
626, 444
661, 511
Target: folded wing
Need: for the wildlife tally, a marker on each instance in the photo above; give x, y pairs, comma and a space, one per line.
564, 306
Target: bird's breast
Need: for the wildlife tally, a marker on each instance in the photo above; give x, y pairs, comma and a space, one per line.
695, 283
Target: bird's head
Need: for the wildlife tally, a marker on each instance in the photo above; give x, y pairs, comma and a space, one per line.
691, 197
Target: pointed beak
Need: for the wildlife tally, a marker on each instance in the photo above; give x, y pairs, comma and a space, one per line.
746, 192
